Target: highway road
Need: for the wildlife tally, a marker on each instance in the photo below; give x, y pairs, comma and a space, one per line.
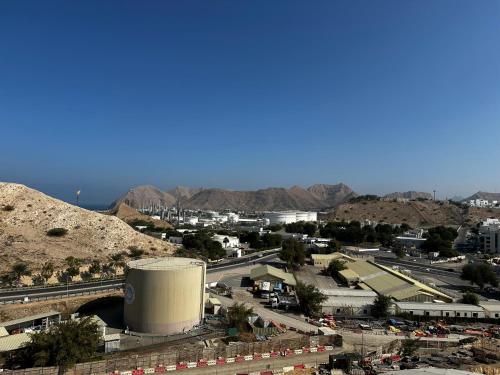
416, 267
42, 293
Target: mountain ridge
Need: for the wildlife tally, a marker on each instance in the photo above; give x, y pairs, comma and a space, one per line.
315, 197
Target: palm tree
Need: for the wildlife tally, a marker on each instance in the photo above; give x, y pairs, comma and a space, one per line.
116, 260
238, 315
19, 270
95, 267
47, 271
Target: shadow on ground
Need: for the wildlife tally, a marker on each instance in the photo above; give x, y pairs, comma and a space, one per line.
109, 309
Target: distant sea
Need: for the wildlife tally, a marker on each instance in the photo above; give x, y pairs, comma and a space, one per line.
95, 207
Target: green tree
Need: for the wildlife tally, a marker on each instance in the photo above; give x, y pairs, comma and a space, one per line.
335, 267
399, 252
409, 347
136, 253
116, 261
95, 267
293, 252
71, 272
64, 344
71, 261
238, 315
310, 299
470, 298
38, 279
479, 274
19, 270
86, 276
381, 306
47, 271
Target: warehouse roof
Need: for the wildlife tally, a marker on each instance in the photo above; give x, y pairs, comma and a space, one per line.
3, 332
437, 306
13, 342
386, 281
260, 272
348, 292
214, 301
492, 306
15, 322
348, 301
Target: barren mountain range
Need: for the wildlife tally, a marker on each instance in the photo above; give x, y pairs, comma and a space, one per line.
315, 197
26, 215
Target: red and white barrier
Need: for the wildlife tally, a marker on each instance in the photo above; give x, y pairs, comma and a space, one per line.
160, 368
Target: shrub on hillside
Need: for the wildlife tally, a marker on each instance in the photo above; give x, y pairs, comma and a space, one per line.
57, 232
8, 207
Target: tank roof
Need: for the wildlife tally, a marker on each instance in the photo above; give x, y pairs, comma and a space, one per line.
166, 263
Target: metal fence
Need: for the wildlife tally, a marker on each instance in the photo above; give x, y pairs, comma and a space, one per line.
180, 353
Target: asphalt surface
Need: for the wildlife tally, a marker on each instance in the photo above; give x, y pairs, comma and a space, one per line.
417, 267
43, 293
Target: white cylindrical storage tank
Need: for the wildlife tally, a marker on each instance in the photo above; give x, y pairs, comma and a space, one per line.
164, 295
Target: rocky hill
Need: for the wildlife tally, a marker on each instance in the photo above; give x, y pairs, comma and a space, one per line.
26, 215
129, 215
414, 213
145, 196
316, 197
332, 195
484, 195
183, 192
409, 195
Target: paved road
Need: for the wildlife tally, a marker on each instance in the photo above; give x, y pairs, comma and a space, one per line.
433, 270
272, 315
77, 289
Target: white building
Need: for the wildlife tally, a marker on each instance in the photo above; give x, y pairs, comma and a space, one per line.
226, 241
491, 308
287, 217
348, 302
440, 310
483, 203
193, 220
489, 236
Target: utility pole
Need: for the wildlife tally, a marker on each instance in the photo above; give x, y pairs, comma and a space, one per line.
434, 191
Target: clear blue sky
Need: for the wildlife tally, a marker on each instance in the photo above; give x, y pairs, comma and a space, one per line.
381, 95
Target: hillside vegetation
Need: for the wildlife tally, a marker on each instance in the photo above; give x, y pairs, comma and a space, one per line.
415, 213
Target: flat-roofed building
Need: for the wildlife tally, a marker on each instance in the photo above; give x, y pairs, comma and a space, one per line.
491, 309
347, 302
440, 310
42, 320
383, 280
